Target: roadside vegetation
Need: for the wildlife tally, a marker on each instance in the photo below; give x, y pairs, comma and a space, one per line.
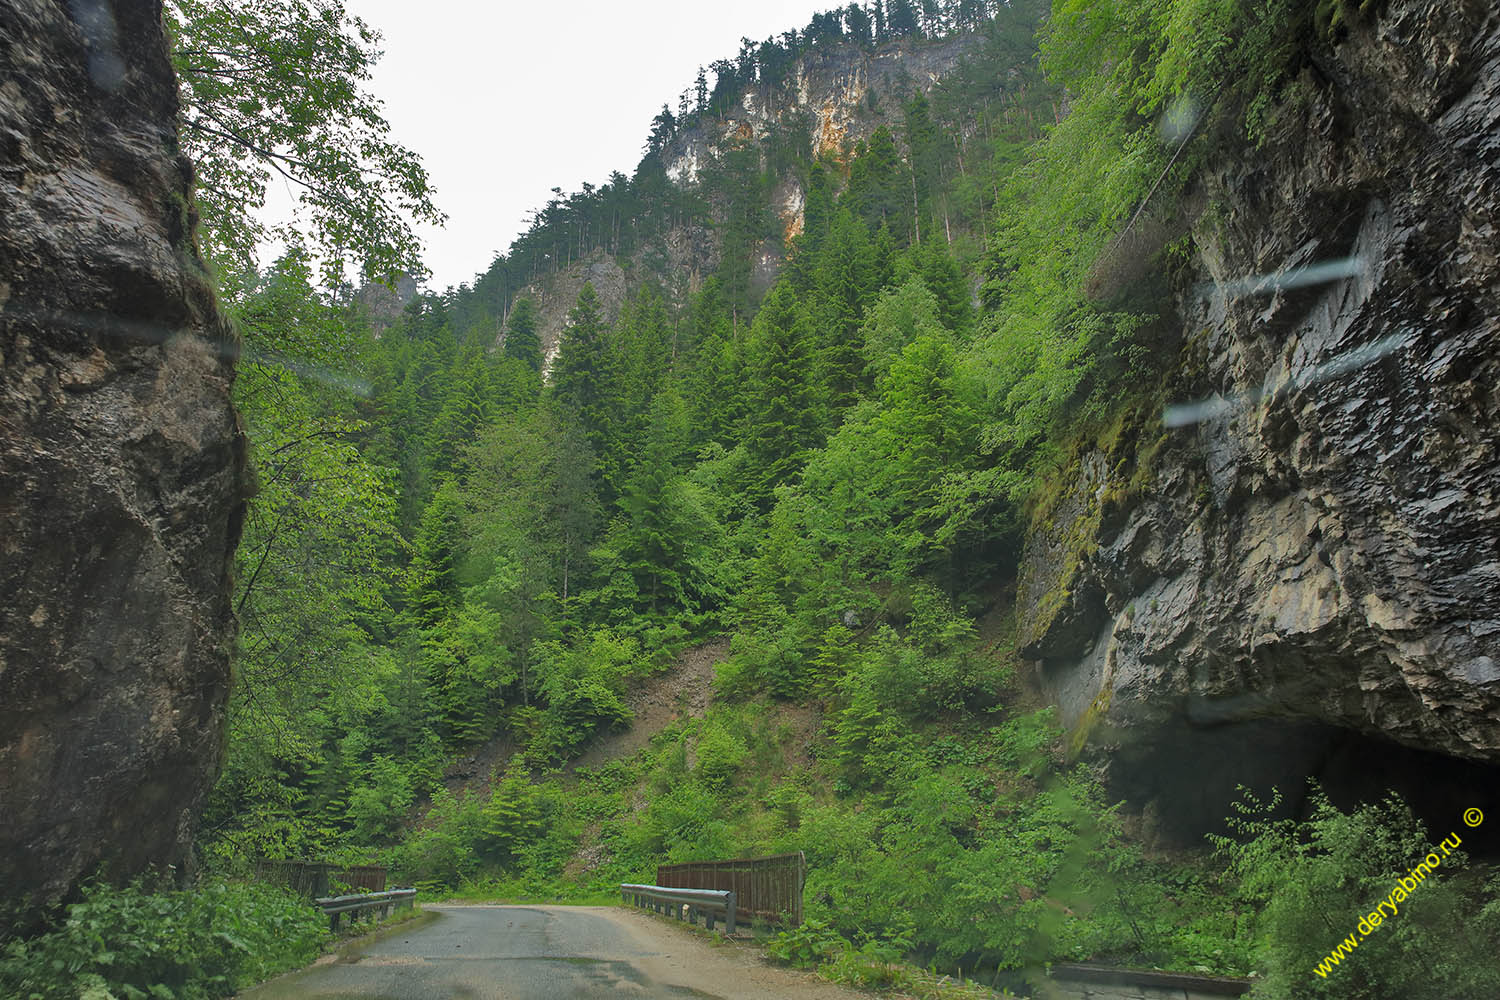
449, 552
140, 942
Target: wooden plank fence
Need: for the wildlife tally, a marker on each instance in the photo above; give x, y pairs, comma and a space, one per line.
768, 888
314, 878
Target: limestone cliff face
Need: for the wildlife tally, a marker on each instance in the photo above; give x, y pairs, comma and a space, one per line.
121, 458
556, 294
840, 94
1321, 540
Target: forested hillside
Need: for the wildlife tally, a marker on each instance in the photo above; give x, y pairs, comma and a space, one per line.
828, 445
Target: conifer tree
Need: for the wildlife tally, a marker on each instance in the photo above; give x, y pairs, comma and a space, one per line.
464, 412
522, 341
588, 381
901, 18
844, 285
433, 590
782, 420
879, 190
712, 383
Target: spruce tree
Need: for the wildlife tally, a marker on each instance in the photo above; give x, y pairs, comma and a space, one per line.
433, 590
588, 381
843, 278
522, 340
782, 419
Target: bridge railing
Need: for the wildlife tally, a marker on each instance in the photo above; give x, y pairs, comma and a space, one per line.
314, 878
768, 888
684, 904
357, 903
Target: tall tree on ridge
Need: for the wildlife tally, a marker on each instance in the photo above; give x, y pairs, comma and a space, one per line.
588, 381
522, 341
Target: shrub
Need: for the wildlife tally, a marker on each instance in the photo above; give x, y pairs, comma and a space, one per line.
720, 754
807, 946
443, 853
1311, 881
133, 944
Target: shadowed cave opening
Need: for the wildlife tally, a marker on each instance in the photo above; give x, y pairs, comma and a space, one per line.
1182, 780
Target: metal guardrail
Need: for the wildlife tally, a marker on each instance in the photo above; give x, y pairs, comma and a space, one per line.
768, 889
1138, 980
337, 906
684, 904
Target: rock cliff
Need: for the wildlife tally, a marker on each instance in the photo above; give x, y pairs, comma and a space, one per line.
121, 458
1314, 549
837, 95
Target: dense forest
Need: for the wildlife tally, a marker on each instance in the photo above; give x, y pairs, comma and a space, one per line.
453, 549
459, 551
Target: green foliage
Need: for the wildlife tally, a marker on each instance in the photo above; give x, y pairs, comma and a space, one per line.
378, 805
720, 754
522, 341
447, 553
1307, 884
783, 418
278, 85
806, 946
189, 945
516, 816
443, 852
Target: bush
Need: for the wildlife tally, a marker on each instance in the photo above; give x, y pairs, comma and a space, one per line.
807, 946
720, 754
1310, 882
443, 855
132, 944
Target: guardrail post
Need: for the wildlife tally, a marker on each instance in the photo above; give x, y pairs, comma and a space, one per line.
729, 917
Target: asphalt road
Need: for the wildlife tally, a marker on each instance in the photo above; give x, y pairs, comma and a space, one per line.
543, 953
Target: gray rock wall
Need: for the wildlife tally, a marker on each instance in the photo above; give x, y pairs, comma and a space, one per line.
121, 458
1321, 543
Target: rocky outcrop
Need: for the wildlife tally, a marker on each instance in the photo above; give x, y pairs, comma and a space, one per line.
838, 94
1318, 540
555, 295
382, 305
121, 458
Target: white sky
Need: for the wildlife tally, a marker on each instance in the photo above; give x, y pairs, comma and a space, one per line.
504, 101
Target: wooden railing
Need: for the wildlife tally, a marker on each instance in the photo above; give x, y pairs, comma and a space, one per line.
768, 888
314, 878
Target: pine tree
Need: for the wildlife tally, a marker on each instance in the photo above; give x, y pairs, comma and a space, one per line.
433, 590
588, 381
925, 163
782, 419
844, 286
522, 341
901, 18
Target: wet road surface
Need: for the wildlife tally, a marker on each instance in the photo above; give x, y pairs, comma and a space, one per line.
542, 953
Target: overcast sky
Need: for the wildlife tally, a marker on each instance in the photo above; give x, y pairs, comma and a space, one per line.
505, 101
